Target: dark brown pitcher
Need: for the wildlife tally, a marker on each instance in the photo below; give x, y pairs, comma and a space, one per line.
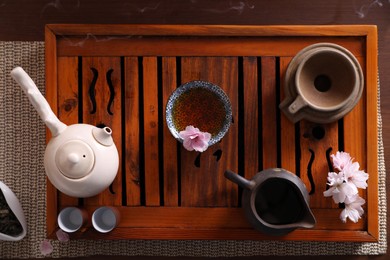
275, 201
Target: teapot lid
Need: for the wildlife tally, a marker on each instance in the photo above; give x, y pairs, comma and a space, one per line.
75, 159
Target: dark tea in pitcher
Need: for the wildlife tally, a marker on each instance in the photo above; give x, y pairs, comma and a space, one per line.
201, 108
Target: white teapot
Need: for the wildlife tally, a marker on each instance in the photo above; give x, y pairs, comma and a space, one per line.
80, 160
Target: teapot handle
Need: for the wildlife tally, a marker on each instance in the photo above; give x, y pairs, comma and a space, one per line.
241, 181
38, 101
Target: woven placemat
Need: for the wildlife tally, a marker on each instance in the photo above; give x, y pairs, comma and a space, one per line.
22, 144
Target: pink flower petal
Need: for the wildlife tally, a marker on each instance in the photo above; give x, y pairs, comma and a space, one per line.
199, 145
340, 160
359, 179
354, 216
355, 201
352, 167
355, 176
187, 143
46, 247
335, 179
194, 139
343, 216
344, 186
62, 236
189, 131
349, 189
353, 209
329, 192
207, 136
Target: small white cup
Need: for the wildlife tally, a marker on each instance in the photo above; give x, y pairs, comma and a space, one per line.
105, 219
71, 219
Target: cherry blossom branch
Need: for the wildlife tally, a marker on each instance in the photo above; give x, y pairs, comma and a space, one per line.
343, 186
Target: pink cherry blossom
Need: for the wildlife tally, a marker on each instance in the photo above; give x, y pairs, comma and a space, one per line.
353, 209
62, 236
335, 179
46, 247
340, 160
343, 186
352, 174
194, 139
339, 189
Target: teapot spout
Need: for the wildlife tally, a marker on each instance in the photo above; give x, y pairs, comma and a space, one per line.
103, 135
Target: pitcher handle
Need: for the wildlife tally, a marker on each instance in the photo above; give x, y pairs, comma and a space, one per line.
241, 181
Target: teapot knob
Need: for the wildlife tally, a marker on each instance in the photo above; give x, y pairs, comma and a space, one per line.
73, 158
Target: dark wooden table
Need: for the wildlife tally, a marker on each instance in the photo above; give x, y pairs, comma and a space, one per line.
23, 20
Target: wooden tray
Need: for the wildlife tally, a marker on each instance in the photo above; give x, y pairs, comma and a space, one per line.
166, 192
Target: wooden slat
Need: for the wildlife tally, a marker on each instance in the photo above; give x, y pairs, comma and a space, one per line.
287, 128
355, 142
51, 96
102, 116
176, 219
183, 217
68, 104
225, 234
206, 185
188, 217
132, 131
210, 30
151, 141
268, 105
200, 46
313, 147
251, 117
355, 134
169, 84
371, 75
68, 96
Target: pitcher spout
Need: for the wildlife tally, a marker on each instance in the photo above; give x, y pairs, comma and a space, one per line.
308, 220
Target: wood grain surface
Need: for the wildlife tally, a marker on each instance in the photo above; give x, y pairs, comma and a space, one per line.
25, 20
